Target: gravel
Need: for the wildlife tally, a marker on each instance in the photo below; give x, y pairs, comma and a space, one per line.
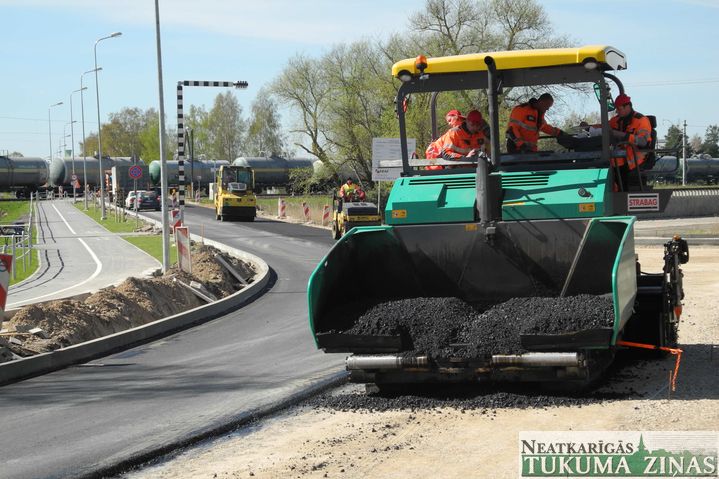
464, 398
443, 327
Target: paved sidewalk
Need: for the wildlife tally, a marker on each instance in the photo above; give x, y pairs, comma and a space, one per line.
77, 256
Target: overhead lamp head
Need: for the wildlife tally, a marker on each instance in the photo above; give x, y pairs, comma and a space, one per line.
404, 76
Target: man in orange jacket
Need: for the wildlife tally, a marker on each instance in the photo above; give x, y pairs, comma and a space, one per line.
454, 119
466, 139
525, 123
630, 131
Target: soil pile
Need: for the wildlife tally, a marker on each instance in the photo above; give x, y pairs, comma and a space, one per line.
442, 327
136, 301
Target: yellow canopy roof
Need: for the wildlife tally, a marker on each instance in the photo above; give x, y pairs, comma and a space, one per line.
608, 57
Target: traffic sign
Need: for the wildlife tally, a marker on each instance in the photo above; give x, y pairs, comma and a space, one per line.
135, 172
74, 178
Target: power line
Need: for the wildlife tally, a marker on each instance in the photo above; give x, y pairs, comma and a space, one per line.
675, 82
26, 119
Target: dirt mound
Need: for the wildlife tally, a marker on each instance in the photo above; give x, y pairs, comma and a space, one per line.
136, 301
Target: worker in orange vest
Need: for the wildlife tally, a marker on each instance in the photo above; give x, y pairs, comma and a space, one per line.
465, 140
454, 119
630, 131
525, 123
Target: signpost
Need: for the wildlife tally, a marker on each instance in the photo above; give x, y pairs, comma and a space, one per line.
387, 149
135, 172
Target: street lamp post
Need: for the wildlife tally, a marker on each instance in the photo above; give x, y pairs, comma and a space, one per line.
49, 125
99, 127
72, 148
84, 147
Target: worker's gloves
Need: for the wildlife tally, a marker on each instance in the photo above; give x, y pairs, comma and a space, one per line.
619, 135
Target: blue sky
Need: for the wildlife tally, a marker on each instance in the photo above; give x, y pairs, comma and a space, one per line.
45, 45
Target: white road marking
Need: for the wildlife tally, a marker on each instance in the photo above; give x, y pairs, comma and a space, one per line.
94, 275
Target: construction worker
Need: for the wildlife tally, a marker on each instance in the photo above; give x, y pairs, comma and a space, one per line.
525, 123
348, 190
630, 131
454, 119
465, 140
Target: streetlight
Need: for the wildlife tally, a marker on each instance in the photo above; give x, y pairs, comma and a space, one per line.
99, 126
84, 147
49, 126
72, 147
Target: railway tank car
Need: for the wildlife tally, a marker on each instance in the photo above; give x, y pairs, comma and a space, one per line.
61, 169
202, 170
23, 175
272, 171
700, 168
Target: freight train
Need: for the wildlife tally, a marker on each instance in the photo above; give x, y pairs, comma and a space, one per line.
270, 171
700, 168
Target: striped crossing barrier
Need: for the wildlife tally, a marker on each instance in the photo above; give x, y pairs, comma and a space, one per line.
281, 208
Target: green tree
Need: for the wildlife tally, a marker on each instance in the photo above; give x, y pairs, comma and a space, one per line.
710, 145
695, 142
226, 128
150, 141
264, 132
673, 139
197, 121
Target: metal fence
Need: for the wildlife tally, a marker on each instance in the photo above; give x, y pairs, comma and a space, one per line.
16, 239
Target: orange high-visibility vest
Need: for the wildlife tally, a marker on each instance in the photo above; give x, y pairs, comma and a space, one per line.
525, 123
639, 133
458, 141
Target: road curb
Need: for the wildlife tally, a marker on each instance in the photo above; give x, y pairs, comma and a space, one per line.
13, 371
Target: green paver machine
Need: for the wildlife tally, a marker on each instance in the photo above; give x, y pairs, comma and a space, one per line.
548, 223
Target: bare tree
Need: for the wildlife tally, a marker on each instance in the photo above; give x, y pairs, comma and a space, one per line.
264, 134
303, 86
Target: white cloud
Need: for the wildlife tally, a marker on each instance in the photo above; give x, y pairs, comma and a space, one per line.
318, 22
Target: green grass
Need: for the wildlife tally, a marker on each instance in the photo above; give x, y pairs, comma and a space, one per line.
122, 224
152, 245
11, 211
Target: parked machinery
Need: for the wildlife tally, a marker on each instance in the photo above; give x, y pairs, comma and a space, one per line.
202, 172
61, 169
272, 171
22, 175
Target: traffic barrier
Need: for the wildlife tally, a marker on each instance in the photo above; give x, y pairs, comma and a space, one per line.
306, 210
325, 214
281, 208
5, 269
175, 220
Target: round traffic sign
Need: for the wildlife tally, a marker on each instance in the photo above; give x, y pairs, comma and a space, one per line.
74, 177
135, 172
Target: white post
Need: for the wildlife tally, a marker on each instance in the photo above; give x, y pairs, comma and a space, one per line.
684, 154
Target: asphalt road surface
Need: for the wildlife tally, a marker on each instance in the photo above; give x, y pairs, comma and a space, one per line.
90, 417
77, 255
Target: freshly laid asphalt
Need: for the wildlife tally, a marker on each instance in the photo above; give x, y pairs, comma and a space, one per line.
88, 418
77, 255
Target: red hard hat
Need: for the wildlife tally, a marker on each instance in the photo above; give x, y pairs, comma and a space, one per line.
474, 116
453, 113
622, 99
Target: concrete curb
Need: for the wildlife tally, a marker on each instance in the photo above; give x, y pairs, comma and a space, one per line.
46, 362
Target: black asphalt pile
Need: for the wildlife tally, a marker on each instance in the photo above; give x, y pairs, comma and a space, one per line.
442, 327
468, 399
426, 325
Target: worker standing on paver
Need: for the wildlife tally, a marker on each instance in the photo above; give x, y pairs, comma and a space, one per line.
525, 123
630, 131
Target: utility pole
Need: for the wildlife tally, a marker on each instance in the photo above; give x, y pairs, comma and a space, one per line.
684, 154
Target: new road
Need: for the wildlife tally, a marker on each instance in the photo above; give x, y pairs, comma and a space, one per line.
76, 255
92, 417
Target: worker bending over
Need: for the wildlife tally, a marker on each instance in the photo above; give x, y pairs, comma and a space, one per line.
525, 123
630, 131
350, 191
465, 140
